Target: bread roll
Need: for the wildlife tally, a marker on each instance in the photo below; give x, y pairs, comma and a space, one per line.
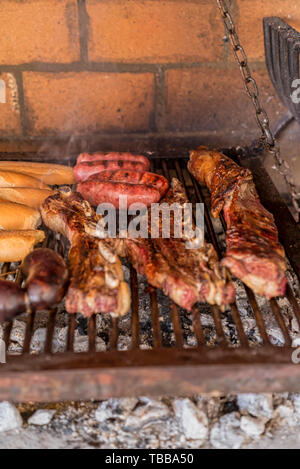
48, 173
16, 245
18, 216
25, 195
14, 179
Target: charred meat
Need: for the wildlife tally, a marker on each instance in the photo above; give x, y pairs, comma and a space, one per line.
96, 276
253, 252
185, 275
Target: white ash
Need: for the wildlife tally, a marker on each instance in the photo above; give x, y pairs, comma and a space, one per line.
148, 412
41, 417
10, 418
227, 434
167, 423
257, 405
193, 421
252, 427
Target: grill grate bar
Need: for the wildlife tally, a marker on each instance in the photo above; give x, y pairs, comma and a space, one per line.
157, 342
258, 317
50, 331
71, 332
114, 333
239, 325
198, 326
28, 332
176, 324
92, 333
292, 300
219, 328
276, 310
135, 326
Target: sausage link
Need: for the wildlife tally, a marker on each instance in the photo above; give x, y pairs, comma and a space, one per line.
106, 187
84, 170
109, 192
113, 156
12, 300
152, 180
47, 276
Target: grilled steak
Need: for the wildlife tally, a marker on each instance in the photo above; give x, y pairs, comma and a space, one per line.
253, 252
96, 275
185, 275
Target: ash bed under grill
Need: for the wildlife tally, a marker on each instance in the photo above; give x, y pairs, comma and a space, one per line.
159, 348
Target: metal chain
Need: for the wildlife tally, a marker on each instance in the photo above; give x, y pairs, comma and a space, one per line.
262, 119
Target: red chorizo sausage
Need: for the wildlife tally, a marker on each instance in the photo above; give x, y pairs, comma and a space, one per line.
112, 156
139, 187
85, 169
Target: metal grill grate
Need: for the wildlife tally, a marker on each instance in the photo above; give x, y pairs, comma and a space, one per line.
159, 348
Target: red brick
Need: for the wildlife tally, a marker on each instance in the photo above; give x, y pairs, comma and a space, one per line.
38, 30
213, 100
154, 31
9, 111
251, 14
88, 102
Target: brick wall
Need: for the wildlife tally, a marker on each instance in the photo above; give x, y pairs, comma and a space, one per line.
144, 67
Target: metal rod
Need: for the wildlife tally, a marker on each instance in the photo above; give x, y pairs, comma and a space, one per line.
157, 342
71, 332
276, 310
50, 331
28, 332
113, 340
135, 326
258, 317
198, 326
92, 333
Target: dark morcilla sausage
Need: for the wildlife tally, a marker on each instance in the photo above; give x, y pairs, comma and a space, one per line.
47, 276
12, 300
46, 282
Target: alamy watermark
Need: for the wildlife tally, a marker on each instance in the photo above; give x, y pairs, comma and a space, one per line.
160, 220
2, 92
2, 351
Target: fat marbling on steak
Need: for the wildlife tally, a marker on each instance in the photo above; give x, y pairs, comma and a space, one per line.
253, 252
96, 276
185, 275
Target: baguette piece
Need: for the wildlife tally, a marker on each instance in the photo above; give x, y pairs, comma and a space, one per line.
16, 245
18, 216
25, 195
52, 174
15, 179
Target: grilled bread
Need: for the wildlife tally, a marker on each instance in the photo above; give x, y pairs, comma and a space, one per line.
16, 245
18, 216
52, 174
16, 179
25, 195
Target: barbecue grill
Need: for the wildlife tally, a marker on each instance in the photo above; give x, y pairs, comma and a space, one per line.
158, 348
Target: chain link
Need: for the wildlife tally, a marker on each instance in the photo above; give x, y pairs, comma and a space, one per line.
262, 119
